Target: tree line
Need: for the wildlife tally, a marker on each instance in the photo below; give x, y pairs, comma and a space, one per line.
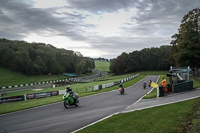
183, 51
145, 59
41, 59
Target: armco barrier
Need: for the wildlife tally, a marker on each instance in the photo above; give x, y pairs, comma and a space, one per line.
41, 95
28, 96
117, 82
61, 92
96, 88
100, 87
109, 85
103, 86
38, 83
12, 99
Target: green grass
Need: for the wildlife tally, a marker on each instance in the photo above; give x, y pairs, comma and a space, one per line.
16, 106
10, 78
162, 119
154, 73
191, 125
102, 65
196, 81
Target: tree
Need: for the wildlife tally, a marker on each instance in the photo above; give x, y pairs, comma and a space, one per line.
134, 61
187, 42
119, 66
80, 67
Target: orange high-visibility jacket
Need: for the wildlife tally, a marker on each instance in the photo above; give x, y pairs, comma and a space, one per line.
164, 84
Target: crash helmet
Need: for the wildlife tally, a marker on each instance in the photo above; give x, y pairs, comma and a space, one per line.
68, 87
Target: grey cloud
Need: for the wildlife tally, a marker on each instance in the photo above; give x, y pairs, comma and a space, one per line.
117, 45
160, 17
98, 6
22, 18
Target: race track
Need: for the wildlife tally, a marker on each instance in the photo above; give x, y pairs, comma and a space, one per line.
55, 118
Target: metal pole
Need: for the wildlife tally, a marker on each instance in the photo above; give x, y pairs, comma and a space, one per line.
198, 23
188, 73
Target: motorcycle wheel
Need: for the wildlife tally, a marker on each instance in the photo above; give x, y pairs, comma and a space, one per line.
66, 104
77, 102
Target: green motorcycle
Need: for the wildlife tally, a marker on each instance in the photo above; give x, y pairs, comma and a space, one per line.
70, 100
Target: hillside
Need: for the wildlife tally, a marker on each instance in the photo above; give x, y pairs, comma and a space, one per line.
9, 77
102, 65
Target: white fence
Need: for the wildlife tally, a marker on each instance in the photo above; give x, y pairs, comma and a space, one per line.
98, 87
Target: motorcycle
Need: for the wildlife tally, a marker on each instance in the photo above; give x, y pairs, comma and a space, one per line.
70, 100
121, 90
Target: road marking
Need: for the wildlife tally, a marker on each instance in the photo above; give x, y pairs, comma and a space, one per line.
160, 104
30, 109
96, 122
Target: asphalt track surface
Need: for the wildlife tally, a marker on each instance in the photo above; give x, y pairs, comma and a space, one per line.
55, 118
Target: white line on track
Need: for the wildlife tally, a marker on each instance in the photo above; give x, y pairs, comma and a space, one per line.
160, 104
96, 122
29, 109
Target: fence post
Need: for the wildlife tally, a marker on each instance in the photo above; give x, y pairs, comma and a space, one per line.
25, 97
158, 92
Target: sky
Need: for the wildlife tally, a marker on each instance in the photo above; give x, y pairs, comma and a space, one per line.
95, 28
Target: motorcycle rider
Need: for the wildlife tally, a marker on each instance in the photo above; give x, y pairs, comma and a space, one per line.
71, 92
121, 86
150, 83
144, 85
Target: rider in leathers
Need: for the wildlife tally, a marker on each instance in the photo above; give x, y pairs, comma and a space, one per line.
71, 92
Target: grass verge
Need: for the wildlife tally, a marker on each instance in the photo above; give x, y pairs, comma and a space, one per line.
102, 65
196, 81
10, 78
162, 119
191, 125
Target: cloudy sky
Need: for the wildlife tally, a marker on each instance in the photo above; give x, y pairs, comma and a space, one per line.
96, 28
